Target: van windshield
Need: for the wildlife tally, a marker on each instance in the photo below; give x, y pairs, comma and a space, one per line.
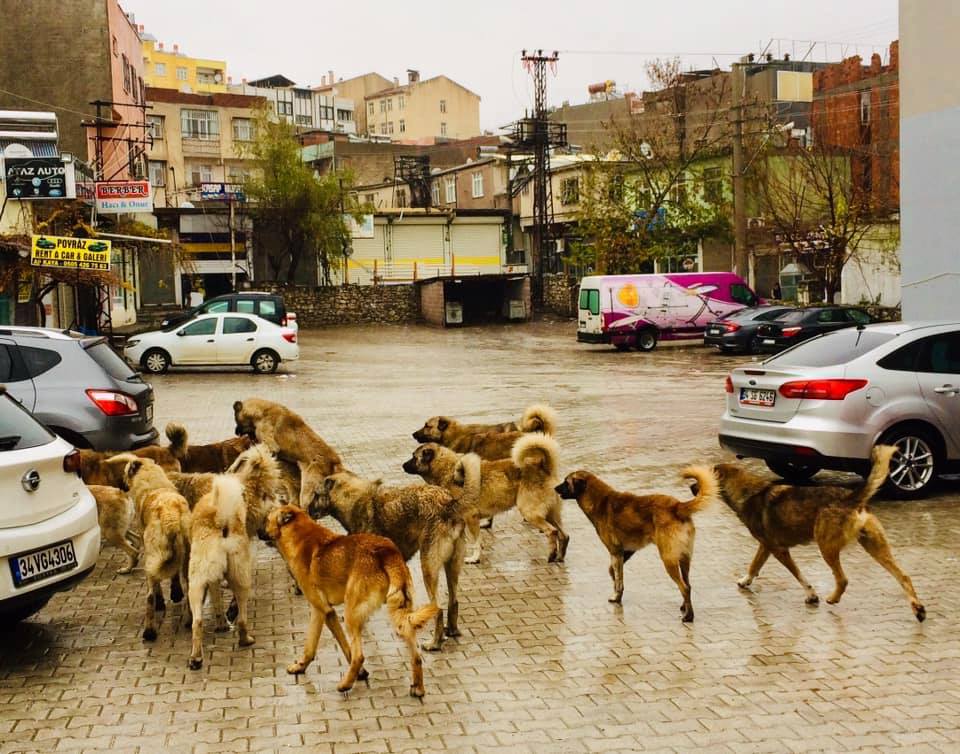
590, 300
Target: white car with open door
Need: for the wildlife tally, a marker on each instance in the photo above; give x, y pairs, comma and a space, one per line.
49, 535
228, 338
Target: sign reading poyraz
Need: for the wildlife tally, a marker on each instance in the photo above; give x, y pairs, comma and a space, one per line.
124, 196
71, 253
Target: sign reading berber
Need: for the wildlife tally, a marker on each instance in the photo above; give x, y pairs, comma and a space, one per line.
70, 253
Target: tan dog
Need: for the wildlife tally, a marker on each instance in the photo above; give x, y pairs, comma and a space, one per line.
490, 445
115, 514
214, 458
289, 436
96, 466
165, 522
493, 487
219, 549
626, 523
415, 518
781, 516
362, 571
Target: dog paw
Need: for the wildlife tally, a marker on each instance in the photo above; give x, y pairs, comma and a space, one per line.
149, 634
296, 668
431, 646
417, 692
745, 582
221, 628
472, 559
364, 676
452, 631
344, 688
232, 612
688, 616
246, 641
176, 593
921, 612
125, 571
812, 599
553, 557
615, 599
196, 663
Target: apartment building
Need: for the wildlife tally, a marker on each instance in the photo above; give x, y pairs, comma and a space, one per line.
306, 108
475, 184
173, 69
356, 90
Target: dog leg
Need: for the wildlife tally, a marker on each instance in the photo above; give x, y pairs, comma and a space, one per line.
431, 581
787, 560
554, 517
755, 565
133, 554
416, 663
356, 614
310, 646
616, 573
153, 597
874, 541
551, 532
333, 623
831, 554
216, 602
685, 559
196, 594
473, 535
452, 570
244, 639
673, 569
176, 590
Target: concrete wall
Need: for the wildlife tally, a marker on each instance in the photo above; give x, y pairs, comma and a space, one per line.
930, 160
350, 304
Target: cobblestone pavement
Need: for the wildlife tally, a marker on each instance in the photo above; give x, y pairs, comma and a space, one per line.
545, 663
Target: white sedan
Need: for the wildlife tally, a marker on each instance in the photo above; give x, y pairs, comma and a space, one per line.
229, 338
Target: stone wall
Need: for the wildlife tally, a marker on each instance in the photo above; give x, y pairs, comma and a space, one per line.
560, 294
349, 304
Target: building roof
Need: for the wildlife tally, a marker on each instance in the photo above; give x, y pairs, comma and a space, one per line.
401, 88
275, 81
212, 99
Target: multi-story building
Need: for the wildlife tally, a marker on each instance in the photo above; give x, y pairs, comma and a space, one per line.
306, 108
173, 69
354, 89
424, 111
71, 53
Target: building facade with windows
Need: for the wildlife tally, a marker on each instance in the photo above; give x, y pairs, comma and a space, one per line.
306, 108
172, 69
354, 89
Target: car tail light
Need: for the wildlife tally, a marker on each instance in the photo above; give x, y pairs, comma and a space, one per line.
290, 336
789, 332
730, 326
113, 403
824, 390
71, 462
728, 385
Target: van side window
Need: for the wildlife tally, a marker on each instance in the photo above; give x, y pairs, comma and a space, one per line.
245, 305
742, 294
215, 307
590, 300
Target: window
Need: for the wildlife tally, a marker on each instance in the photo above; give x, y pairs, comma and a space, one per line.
155, 127
390, 105
401, 102
712, 185
383, 128
401, 198
201, 327
326, 112
370, 108
855, 315
865, 108
234, 325
304, 120
200, 124
116, 48
590, 300
477, 185
837, 348
268, 309
284, 108
615, 188
347, 115
160, 69
135, 91
443, 106
157, 171
39, 360
570, 191
143, 91
742, 294
403, 126
941, 354
181, 73
20, 428
678, 191
903, 359
443, 129
201, 174
370, 199
110, 361
216, 307
390, 127
383, 106
434, 192
126, 74
451, 190
242, 129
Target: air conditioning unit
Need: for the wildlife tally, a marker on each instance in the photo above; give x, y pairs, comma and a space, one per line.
454, 313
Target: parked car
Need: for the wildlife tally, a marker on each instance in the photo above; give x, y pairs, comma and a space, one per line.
824, 404
49, 536
270, 306
211, 339
737, 332
78, 386
639, 310
801, 324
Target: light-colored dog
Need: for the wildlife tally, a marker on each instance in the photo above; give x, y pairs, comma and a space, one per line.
101, 467
115, 514
289, 436
525, 481
490, 445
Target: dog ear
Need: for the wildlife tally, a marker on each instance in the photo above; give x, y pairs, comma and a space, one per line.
286, 517
579, 485
133, 467
442, 424
428, 454
459, 475
328, 484
237, 406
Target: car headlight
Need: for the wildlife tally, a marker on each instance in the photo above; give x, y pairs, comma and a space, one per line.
132, 343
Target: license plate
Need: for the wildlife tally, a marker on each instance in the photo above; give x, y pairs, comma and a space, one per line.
752, 397
150, 413
42, 564
769, 341
713, 331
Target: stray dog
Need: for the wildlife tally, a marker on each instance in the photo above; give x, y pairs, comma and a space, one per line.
214, 458
165, 521
363, 571
289, 436
219, 549
780, 516
115, 514
416, 517
490, 445
491, 487
625, 523
96, 466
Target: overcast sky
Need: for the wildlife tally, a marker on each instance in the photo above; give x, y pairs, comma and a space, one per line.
478, 43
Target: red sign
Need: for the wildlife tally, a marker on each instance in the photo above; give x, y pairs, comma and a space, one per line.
123, 190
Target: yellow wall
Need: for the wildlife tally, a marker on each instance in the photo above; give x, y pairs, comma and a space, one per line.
152, 56
421, 113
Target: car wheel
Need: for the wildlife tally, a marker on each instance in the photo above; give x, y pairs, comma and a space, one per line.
265, 362
791, 471
10, 618
155, 361
646, 340
915, 465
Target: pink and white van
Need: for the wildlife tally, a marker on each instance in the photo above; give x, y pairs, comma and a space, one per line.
639, 310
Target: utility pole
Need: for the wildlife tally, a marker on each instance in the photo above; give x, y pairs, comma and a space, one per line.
741, 262
233, 245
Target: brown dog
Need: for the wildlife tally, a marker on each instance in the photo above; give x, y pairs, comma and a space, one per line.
362, 571
96, 466
625, 523
115, 514
213, 458
781, 516
490, 445
288, 436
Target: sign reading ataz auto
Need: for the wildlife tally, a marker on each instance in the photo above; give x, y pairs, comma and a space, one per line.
124, 196
73, 253
35, 178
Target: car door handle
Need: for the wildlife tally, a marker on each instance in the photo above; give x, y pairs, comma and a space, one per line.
250, 340
947, 390
211, 341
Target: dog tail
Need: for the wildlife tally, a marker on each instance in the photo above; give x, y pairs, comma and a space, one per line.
707, 489
226, 493
466, 475
406, 619
537, 450
539, 418
177, 435
878, 475
172, 545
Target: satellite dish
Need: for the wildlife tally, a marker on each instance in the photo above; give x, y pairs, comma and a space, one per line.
646, 150
217, 78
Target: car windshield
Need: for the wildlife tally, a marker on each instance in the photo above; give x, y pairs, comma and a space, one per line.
109, 361
18, 429
832, 349
794, 316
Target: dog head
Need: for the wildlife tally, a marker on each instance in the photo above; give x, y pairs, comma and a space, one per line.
312, 476
133, 467
276, 520
573, 486
422, 459
433, 430
322, 502
737, 485
245, 421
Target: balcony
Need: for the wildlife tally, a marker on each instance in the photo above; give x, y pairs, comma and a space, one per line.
205, 147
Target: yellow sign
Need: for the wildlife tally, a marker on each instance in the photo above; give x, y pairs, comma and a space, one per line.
71, 253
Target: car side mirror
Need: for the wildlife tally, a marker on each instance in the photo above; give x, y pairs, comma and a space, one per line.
181, 333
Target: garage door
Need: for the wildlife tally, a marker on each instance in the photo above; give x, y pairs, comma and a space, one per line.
476, 245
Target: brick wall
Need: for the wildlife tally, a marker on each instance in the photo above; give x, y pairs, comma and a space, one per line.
432, 302
349, 304
560, 294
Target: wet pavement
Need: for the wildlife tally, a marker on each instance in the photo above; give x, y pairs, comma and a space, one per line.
545, 663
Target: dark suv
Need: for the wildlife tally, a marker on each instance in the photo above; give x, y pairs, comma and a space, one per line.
269, 306
801, 324
78, 386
